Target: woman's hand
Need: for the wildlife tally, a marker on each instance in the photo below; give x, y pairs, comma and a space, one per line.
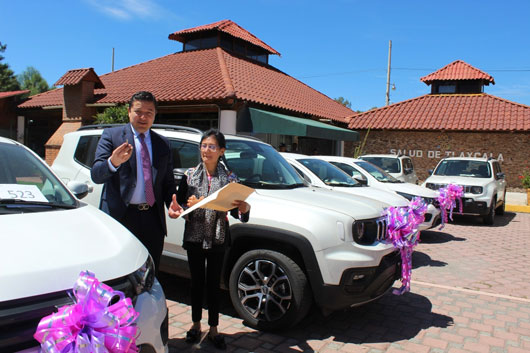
242, 206
193, 200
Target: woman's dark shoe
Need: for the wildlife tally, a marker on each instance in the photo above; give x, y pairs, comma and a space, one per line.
218, 341
193, 335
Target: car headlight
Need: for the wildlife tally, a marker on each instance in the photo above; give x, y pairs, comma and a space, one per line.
144, 277
430, 186
405, 195
367, 232
476, 189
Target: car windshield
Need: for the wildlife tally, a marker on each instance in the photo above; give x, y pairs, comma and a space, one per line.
328, 173
26, 183
388, 164
378, 173
259, 165
475, 169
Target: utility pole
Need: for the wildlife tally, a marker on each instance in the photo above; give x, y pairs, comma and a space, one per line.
388, 73
112, 59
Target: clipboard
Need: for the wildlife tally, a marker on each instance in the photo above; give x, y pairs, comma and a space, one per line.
222, 199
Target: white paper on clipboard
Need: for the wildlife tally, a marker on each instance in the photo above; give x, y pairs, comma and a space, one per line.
222, 199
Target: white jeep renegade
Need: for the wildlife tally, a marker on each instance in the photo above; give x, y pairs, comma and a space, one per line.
47, 237
301, 244
483, 181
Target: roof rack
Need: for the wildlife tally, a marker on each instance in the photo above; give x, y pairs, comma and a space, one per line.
247, 136
155, 126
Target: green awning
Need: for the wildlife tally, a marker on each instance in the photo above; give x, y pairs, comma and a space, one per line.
262, 121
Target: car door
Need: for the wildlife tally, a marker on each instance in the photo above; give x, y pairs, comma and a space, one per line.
499, 181
408, 170
185, 155
84, 156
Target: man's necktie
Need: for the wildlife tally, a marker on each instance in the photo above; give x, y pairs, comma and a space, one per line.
146, 167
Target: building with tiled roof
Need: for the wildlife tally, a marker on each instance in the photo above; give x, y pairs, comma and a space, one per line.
219, 79
456, 119
9, 124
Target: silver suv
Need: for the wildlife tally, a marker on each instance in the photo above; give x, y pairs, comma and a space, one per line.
302, 244
483, 181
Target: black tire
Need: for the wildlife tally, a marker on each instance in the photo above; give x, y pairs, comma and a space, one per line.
489, 219
269, 290
500, 210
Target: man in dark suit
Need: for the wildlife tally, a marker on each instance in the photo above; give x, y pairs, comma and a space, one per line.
135, 165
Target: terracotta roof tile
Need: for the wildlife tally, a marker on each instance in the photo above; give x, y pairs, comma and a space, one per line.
12, 93
73, 77
226, 26
457, 70
470, 112
205, 76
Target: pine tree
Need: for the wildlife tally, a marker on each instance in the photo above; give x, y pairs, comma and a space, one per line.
8, 80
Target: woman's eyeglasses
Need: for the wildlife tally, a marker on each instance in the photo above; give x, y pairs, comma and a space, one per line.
212, 148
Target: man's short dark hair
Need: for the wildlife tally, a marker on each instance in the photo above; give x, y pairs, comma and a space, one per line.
143, 96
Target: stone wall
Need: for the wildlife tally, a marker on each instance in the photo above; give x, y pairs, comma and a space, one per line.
427, 148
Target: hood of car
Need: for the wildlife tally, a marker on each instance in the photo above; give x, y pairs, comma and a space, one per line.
387, 197
458, 180
358, 207
412, 189
44, 252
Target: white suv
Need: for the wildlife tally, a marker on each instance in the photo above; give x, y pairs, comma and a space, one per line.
325, 175
373, 176
399, 166
48, 237
483, 182
301, 243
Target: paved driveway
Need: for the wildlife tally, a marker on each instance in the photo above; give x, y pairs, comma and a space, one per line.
470, 293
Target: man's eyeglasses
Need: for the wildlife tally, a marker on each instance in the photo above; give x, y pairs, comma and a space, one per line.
212, 148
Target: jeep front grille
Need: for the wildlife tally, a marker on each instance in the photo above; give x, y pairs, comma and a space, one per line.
368, 231
19, 318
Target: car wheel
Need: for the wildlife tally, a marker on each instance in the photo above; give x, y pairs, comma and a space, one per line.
502, 207
269, 290
490, 217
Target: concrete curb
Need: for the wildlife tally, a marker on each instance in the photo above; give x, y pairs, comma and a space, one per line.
518, 208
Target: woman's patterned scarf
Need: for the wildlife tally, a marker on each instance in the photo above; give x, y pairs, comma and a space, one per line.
204, 225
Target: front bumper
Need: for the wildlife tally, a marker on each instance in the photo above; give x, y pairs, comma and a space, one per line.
153, 320
472, 207
361, 285
432, 218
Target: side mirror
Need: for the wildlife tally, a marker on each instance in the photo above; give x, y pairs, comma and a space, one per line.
430, 171
500, 175
79, 189
362, 181
408, 170
178, 173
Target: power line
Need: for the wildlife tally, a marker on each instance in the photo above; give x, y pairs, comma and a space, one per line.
401, 69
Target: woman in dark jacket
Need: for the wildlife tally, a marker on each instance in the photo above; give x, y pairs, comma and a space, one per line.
206, 234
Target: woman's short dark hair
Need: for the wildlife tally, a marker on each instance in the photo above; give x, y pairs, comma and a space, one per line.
143, 96
218, 136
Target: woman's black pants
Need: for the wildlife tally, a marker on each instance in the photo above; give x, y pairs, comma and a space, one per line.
205, 267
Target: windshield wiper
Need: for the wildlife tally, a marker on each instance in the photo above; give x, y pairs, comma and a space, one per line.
35, 203
342, 184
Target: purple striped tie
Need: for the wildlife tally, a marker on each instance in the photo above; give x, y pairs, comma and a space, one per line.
146, 167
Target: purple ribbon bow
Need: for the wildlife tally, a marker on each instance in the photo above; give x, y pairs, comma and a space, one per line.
448, 198
90, 325
403, 223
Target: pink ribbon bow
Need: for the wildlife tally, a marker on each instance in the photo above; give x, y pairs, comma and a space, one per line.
448, 198
403, 223
90, 325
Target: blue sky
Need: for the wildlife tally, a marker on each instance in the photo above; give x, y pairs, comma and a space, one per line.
339, 47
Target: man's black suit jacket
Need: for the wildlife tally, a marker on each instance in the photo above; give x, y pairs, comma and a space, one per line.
119, 186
